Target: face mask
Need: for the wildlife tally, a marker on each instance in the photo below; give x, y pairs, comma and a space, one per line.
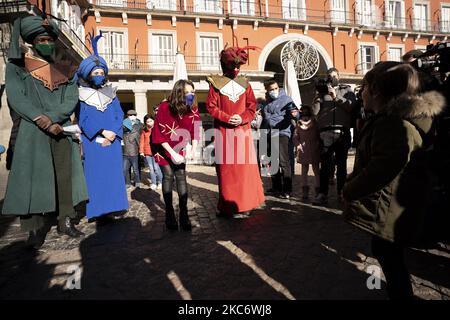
274, 94
132, 118
45, 50
98, 81
189, 99
232, 73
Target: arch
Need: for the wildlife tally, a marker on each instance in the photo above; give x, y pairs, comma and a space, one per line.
287, 37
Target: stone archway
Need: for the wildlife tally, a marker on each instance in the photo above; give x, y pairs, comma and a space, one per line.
269, 60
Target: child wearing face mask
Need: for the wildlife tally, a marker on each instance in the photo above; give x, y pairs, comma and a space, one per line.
307, 141
146, 151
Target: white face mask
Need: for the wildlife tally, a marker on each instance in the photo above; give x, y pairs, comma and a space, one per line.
274, 94
133, 118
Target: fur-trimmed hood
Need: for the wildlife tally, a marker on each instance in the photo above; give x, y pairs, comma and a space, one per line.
410, 107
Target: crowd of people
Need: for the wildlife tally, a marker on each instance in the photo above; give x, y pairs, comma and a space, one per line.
52, 179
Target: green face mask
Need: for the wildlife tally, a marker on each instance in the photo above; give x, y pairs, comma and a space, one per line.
45, 50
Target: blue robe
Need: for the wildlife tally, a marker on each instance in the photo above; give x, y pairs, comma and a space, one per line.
103, 165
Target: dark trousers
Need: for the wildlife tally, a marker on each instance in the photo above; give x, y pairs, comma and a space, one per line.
282, 180
390, 256
128, 162
179, 173
258, 157
61, 149
340, 151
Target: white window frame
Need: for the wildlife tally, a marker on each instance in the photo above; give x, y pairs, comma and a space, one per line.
250, 7
427, 22
156, 64
152, 6
111, 3
446, 27
377, 53
120, 63
396, 46
198, 36
200, 7
403, 15
294, 13
361, 17
422, 47
333, 14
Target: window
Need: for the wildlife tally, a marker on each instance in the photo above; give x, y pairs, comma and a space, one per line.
111, 3
208, 48
420, 47
366, 12
162, 4
208, 6
244, 7
162, 48
294, 9
338, 8
421, 16
113, 47
75, 22
395, 14
445, 18
368, 56
395, 53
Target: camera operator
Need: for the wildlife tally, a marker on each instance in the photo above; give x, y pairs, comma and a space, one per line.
333, 105
433, 67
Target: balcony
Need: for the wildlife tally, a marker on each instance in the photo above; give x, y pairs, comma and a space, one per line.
284, 12
77, 44
159, 63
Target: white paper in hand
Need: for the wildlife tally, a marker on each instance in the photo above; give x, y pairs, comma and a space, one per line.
72, 129
99, 140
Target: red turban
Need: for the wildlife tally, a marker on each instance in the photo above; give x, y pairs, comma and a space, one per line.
234, 57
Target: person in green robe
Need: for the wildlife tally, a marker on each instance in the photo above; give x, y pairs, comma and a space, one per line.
46, 180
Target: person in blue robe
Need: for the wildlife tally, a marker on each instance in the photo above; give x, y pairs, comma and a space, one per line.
100, 119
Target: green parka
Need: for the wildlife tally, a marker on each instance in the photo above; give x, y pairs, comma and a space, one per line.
388, 191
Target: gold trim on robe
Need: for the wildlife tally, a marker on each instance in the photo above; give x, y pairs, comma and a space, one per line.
51, 75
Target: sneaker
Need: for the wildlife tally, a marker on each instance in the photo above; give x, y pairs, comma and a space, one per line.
320, 199
285, 196
153, 186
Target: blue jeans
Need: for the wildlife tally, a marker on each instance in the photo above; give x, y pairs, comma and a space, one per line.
155, 171
129, 161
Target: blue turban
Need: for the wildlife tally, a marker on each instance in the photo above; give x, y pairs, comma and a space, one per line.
89, 64
92, 62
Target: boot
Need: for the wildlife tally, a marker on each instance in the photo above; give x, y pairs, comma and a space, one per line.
185, 224
65, 226
305, 193
36, 238
317, 191
171, 220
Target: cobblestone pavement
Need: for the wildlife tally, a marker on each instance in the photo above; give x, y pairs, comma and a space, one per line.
287, 249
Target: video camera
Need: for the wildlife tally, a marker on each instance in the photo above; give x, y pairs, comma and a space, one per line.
435, 59
323, 85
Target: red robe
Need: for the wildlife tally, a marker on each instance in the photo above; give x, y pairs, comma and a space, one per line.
176, 131
240, 186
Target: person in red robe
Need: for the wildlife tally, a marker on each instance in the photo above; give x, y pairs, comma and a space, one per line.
174, 127
232, 104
